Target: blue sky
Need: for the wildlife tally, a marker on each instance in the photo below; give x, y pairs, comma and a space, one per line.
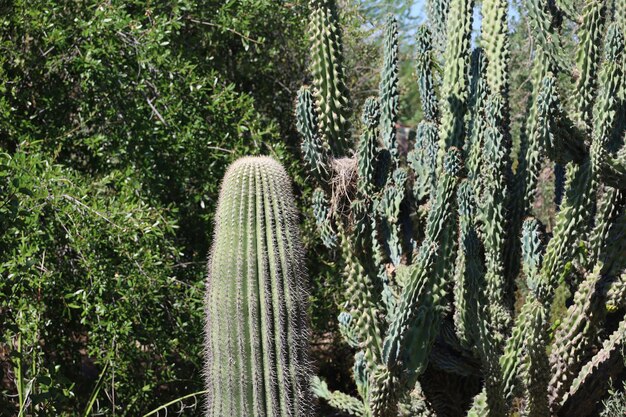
418, 12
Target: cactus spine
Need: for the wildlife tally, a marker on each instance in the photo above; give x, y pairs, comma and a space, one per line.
434, 249
256, 326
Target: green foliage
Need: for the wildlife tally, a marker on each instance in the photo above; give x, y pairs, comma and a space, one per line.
90, 268
117, 121
615, 405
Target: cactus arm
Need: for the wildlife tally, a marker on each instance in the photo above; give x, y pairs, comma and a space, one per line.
422, 294
343, 402
366, 150
478, 101
575, 336
469, 271
315, 152
545, 25
535, 367
423, 158
609, 205
388, 89
321, 212
538, 136
424, 66
256, 328
535, 370
614, 244
454, 89
438, 11
588, 58
611, 347
361, 303
495, 42
331, 94
493, 222
608, 105
605, 116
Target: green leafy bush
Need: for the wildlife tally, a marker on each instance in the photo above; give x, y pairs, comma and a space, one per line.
117, 121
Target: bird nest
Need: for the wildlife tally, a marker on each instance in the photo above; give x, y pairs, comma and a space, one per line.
343, 184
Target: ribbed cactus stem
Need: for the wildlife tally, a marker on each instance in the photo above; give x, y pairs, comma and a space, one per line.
541, 15
536, 366
608, 103
534, 327
537, 138
469, 271
256, 327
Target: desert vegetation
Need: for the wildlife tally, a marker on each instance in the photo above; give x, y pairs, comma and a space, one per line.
366, 208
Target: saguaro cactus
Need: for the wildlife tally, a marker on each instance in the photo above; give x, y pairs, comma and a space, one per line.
256, 327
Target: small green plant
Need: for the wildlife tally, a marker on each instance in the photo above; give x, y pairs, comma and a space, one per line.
615, 405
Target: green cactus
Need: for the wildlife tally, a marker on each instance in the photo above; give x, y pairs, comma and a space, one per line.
423, 159
388, 90
438, 16
331, 94
256, 326
434, 245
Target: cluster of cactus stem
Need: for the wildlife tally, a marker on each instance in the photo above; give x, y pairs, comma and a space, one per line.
439, 244
257, 361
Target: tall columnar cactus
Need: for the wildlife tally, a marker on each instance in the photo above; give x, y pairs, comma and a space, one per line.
257, 360
436, 249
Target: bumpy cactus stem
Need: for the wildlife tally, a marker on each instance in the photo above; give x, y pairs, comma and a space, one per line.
454, 88
388, 90
327, 67
423, 159
256, 326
